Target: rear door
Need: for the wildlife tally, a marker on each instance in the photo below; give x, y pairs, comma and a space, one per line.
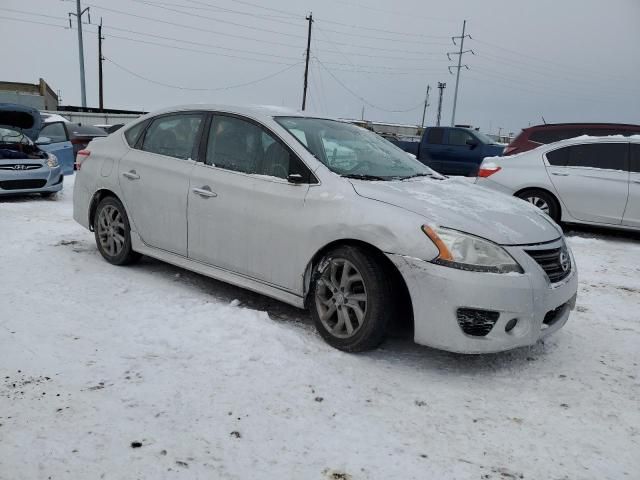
58, 144
592, 180
632, 212
460, 158
244, 215
154, 179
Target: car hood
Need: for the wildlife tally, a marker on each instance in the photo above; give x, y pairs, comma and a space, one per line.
20, 117
463, 206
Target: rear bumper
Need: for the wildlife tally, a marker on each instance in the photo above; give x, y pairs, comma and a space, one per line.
51, 180
437, 292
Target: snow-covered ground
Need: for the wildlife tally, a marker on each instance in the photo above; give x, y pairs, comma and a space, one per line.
216, 382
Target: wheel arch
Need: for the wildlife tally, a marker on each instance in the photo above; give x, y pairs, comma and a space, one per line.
404, 314
95, 200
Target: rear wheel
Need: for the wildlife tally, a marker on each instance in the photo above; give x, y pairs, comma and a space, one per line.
113, 233
543, 200
350, 299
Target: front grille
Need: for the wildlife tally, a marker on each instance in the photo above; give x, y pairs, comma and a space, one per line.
20, 166
475, 322
22, 184
555, 262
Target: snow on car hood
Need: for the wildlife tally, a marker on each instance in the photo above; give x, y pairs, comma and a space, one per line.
22, 118
458, 204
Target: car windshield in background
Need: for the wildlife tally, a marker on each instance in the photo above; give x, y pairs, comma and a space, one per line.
352, 151
484, 138
8, 135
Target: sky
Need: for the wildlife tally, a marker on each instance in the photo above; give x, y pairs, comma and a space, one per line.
561, 60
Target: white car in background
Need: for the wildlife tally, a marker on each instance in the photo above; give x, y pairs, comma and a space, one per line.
589, 180
326, 215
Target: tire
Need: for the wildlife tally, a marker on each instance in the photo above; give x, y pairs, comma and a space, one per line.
544, 201
113, 232
351, 312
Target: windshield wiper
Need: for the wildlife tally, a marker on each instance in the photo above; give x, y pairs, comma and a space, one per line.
432, 175
362, 176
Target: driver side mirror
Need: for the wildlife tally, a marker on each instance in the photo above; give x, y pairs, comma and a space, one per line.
43, 141
472, 143
295, 178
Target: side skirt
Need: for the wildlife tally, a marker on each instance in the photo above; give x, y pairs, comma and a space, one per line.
218, 273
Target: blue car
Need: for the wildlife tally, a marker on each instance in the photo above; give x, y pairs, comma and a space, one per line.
24, 166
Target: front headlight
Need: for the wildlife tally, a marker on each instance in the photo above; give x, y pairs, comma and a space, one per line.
467, 252
52, 161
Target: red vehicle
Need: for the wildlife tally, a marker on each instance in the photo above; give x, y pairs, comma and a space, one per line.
537, 135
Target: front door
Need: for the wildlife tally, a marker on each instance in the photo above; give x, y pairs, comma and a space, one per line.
461, 155
244, 215
58, 144
632, 212
592, 180
154, 180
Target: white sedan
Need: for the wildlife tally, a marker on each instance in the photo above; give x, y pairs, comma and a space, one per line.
589, 180
322, 214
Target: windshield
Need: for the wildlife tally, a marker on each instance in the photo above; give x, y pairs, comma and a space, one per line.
486, 139
8, 135
352, 151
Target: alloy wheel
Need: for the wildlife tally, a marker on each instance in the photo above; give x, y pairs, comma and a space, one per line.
111, 230
341, 298
538, 202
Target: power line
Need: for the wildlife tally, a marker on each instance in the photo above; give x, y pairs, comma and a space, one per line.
228, 87
362, 99
259, 40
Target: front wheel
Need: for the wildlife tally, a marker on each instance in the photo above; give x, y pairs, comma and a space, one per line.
113, 233
350, 299
543, 200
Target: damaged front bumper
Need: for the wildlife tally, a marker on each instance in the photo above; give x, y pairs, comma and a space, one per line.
477, 312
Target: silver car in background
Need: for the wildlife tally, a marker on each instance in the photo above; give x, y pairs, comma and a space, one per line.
325, 215
588, 180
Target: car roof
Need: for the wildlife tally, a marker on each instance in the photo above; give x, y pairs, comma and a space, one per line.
587, 124
590, 139
263, 112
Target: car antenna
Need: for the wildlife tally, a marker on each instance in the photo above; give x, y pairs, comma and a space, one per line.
543, 120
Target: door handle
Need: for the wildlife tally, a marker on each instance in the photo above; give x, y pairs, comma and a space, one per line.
131, 175
204, 192
558, 174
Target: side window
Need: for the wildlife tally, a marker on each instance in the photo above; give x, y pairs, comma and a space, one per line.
242, 146
173, 135
559, 157
610, 156
459, 137
133, 133
54, 131
435, 136
635, 158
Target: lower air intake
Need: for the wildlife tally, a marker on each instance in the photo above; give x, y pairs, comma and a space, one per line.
475, 322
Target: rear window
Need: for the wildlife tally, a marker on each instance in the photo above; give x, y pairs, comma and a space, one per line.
559, 158
610, 156
133, 134
435, 136
635, 158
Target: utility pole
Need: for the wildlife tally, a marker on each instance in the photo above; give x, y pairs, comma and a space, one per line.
362, 116
458, 67
100, 60
426, 104
78, 15
441, 87
306, 66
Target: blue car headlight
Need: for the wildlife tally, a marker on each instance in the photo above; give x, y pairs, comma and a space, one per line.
52, 161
